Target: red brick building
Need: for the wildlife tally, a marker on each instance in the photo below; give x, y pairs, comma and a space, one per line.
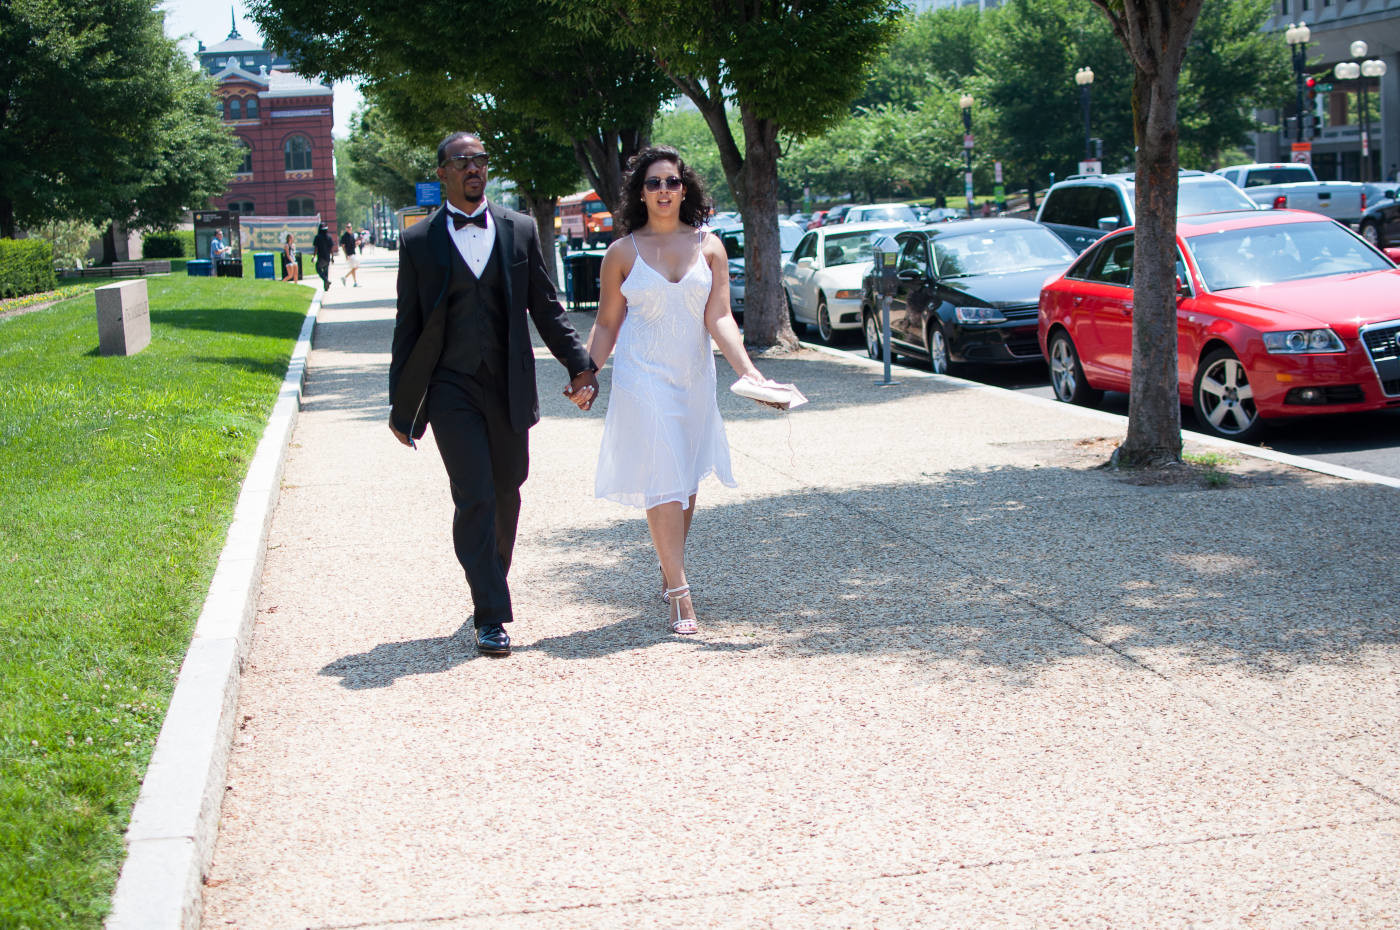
284, 121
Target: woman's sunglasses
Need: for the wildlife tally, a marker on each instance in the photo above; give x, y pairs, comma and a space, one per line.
672, 183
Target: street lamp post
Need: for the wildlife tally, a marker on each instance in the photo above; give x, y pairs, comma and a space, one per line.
966, 101
1084, 77
1297, 36
1364, 70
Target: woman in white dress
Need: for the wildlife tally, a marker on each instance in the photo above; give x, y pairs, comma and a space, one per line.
665, 293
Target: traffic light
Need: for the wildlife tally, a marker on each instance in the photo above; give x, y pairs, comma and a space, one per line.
1312, 120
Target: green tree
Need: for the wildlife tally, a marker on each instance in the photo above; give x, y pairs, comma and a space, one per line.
686, 130
101, 117
933, 50
595, 98
1232, 68
383, 161
351, 197
790, 69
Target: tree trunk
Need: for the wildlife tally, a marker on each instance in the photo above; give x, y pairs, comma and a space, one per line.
604, 157
1155, 33
1154, 407
766, 321
542, 209
7, 218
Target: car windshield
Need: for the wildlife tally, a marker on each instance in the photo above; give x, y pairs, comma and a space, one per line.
789, 234
854, 247
893, 211
1287, 252
1002, 251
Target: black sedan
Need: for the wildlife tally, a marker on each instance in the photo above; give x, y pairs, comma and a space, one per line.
1380, 224
966, 291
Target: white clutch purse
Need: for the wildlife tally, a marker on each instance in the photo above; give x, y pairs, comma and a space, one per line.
785, 396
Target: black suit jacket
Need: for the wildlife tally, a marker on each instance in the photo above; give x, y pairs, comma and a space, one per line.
425, 269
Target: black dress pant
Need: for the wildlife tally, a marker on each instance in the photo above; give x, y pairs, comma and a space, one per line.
487, 462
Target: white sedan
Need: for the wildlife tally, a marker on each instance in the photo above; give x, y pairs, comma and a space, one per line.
822, 277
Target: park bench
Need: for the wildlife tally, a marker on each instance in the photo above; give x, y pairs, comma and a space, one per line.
119, 270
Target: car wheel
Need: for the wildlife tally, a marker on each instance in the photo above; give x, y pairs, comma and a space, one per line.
1371, 232
937, 349
824, 329
1067, 375
873, 346
1224, 398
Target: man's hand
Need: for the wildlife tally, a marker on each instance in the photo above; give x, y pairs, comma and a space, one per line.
583, 390
401, 437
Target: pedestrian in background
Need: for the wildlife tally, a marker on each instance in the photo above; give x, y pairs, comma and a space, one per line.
665, 293
291, 268
348, 245
324, 246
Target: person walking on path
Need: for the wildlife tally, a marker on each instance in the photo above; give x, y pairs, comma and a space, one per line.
325, 248
291, 268
462, 361
347, 245
665, 292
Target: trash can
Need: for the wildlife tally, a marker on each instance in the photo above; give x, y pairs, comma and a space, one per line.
229, 268
581, 273
263, 265
199, 268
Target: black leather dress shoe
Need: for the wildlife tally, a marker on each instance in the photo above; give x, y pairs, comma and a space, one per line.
492, 640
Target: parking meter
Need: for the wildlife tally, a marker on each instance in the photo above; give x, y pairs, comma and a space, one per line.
886, 251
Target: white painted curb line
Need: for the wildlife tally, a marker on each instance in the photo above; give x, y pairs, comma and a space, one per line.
176, 818
1228, 445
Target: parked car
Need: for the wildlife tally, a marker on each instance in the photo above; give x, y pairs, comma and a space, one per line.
801, 219
1380, 224
1295, 186
822, 277
944, 214
1281, 313
836, 214
1084, 207
967, 290
882, 213
789, 234
817, 219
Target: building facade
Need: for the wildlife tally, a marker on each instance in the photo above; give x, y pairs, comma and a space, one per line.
1334, 106
284, 123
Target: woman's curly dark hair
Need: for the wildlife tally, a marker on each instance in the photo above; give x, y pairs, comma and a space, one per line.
695, 208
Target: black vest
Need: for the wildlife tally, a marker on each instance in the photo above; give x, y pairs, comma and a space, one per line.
476, 317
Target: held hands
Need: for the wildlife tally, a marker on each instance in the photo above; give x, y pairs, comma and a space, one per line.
583, 390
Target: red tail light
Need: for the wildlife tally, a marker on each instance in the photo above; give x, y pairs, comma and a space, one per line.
1280, 202
1363, 201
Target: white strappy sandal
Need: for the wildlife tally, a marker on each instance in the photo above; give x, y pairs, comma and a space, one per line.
679, 624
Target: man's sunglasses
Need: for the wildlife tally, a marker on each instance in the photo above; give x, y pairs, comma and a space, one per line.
672, 183
478, 160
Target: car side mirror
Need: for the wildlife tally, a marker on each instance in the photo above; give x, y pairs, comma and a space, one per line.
1182, 288
807, 261
1109, 223
909, 274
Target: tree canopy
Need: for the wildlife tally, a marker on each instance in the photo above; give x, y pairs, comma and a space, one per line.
102, 118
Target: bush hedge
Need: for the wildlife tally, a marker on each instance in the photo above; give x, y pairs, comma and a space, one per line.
177, 244
26, 267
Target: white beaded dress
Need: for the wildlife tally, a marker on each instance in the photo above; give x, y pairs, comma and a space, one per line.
663, 433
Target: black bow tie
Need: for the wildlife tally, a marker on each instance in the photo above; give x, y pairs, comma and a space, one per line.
461, 219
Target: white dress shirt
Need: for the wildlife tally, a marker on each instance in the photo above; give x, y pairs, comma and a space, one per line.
473, 242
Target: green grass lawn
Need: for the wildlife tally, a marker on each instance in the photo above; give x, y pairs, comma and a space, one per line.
118, 478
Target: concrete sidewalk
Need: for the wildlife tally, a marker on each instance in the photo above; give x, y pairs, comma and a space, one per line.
948, 675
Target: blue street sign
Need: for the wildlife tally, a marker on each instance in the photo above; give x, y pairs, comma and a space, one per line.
429, 193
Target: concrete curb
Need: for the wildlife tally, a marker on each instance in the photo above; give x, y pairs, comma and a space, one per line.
176, 817
1227, 445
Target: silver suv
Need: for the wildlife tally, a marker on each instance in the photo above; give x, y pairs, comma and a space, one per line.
1084, 207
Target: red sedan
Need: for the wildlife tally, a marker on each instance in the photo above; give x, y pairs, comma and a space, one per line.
1281, 313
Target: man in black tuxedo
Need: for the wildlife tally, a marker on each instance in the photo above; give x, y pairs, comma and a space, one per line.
462, 361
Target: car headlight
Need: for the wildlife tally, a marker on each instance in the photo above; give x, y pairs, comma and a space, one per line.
1303, 341
736, 280
850, 293
979, 315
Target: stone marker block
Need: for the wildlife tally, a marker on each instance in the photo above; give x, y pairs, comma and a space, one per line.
123, 318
